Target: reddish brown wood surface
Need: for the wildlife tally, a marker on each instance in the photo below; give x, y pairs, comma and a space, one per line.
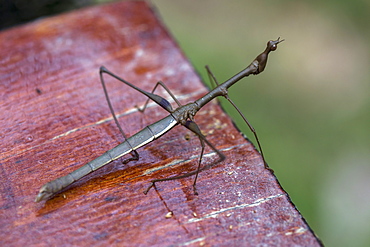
54, 119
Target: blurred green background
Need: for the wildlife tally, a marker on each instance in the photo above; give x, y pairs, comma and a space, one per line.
310, 106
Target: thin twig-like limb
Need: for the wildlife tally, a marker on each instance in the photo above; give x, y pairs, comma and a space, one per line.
191, 125
134, 153
142, 109
213, 78
252, 129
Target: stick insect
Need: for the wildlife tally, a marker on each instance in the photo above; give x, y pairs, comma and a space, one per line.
183, 114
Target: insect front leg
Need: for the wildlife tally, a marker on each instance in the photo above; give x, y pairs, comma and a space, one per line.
253, 131
212, 77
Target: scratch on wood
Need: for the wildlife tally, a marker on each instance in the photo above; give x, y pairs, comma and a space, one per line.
174, 162
298, 231
192, 241
253, 204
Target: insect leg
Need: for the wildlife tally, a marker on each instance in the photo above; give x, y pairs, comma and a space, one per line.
156, 98
212, 77
191, 125
252, 129
155, 87
134, 153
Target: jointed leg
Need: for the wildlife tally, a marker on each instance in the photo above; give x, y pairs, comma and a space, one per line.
193, 127
155, 87
156, 98
134, 154
253, 131
211, 77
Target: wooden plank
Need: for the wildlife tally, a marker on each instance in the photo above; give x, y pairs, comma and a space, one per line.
54, 119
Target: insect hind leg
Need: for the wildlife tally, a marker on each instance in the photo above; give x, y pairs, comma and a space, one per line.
191, 125
134, 153
163, 103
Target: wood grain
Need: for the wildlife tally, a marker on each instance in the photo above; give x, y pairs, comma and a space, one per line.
54, 119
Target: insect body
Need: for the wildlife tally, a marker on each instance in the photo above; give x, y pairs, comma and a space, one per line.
183, 114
